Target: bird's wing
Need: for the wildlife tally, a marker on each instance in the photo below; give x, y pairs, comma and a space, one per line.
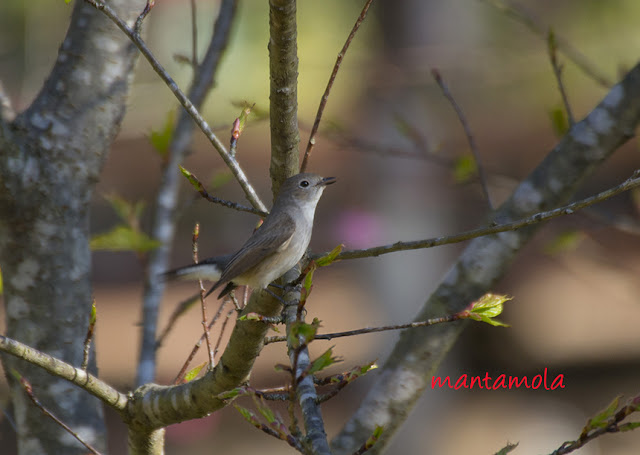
264, 242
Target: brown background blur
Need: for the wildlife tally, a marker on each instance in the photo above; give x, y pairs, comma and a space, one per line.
574, 312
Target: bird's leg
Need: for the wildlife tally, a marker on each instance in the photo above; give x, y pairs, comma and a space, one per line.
274, 295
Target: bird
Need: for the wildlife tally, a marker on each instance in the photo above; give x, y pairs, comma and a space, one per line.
274, 248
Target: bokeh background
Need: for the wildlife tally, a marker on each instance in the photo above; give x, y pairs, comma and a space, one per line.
575, 307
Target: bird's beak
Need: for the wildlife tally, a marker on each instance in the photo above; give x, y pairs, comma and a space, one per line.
328, 181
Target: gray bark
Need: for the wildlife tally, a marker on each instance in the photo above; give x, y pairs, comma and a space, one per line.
50, 159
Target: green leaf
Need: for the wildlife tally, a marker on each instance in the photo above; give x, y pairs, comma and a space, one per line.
258, 112
244, 115
192, 179
266, 412
329, 258
193, 373
629, 426
0, 282
492, 322
308, 279
360, 371
123, 238
248, 415
464, 168
375, 436
486, 308
506, 449
490, 304
231, 394
94, 313
161, 139
325, 360
127, 211
600, 419
566, 241
559, 121
304, 330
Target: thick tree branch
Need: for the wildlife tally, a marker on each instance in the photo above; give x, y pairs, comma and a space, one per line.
419, 352
107, 394
51, 158
283, 94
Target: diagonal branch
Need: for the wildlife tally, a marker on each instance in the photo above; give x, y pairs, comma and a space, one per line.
186, 103
61, 369
332, 78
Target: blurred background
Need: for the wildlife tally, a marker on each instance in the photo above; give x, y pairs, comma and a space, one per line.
397, 149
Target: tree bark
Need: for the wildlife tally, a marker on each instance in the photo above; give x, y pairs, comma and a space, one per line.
50, 160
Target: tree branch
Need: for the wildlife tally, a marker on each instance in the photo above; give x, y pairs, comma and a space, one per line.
630, 183
186, 103
302, 382
107, 394
283, 93
332, 78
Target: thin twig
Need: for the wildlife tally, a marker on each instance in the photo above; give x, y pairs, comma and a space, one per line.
179, 377
467, 131
557, 72
222, 329
203, 291
332, 78
251, 194
147, 9
343, 141
611, 425
89, 337
26, 386
630, 183
518, 13
179, 311
199, 186
194, 36
384, 328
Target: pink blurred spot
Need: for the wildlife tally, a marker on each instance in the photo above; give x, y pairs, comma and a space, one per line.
358, 229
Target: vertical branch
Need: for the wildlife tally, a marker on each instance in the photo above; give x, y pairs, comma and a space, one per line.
303, 383
467, 131
283, 69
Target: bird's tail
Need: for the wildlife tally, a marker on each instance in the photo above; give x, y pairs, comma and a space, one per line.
209, 269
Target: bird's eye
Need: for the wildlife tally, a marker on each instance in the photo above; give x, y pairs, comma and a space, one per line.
304, 184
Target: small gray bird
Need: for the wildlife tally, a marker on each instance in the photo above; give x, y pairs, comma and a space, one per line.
274, 248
